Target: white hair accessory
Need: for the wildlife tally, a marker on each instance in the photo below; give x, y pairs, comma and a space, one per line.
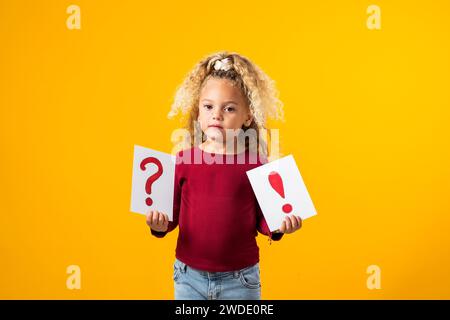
223, 64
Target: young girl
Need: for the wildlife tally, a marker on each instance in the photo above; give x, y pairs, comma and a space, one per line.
217, 256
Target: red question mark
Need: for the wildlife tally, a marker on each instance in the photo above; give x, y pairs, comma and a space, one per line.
153, 177
277, 183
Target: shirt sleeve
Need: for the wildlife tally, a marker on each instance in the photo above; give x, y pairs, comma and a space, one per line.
177, 188
263, 228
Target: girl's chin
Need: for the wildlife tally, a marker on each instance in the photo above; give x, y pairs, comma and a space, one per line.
215, 134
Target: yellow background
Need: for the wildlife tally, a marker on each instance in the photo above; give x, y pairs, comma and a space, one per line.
367, 119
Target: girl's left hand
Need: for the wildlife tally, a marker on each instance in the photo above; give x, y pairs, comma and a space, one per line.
291, 224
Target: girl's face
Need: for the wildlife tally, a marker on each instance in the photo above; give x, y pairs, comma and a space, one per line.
222, 106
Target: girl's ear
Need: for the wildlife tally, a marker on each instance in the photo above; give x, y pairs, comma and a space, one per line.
249, 120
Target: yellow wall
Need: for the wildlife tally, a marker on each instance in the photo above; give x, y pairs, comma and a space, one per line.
367, 119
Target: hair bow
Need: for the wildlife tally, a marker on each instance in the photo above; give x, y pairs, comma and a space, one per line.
222, 64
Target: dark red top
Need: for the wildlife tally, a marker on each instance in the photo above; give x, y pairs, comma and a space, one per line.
216, 210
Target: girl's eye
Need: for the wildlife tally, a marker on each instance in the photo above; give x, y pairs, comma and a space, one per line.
229, 109
207, 107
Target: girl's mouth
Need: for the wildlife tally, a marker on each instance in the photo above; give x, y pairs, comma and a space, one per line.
215, 126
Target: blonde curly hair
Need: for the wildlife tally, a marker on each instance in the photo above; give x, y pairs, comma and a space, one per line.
256, 86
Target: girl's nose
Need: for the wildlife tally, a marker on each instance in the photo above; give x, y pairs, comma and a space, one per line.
217, 114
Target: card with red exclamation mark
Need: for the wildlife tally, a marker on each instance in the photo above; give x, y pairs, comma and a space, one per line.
281, 191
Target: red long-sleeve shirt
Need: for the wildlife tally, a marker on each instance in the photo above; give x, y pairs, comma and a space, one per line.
216, 211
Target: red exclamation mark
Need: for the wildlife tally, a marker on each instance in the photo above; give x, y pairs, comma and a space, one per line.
277, 184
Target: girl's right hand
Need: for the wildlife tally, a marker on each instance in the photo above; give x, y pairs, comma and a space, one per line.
157, 221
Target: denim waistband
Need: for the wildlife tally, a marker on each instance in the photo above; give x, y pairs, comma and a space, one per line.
207, 274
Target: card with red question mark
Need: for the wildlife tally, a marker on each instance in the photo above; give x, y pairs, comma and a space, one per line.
153, 181
280, 191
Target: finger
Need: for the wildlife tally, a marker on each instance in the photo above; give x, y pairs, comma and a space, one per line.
283, 227
149, 216
299, 220
294, 222
155, 218
166, 218
288, 225
161, 218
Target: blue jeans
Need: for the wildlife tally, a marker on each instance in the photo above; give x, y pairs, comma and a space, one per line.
193, 284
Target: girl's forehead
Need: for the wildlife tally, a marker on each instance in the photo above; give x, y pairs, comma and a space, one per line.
215, 88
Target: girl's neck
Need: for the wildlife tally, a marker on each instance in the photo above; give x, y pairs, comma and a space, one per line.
220, 148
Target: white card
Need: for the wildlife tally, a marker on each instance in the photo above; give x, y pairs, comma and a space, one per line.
153, 181
281, 175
